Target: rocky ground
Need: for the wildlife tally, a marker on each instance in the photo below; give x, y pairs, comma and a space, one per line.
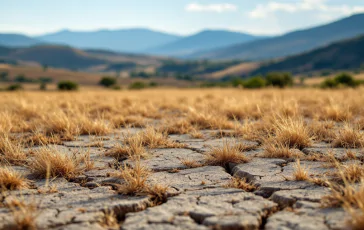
199, 197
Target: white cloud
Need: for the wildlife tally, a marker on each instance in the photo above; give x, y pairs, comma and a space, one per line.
218, 8
266, 10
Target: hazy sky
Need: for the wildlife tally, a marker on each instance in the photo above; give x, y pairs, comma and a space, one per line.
35, 17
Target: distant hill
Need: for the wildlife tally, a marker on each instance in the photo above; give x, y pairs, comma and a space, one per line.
55, 56
126, 40
70, 58
205, 40
291, 43
345, 55
17, 40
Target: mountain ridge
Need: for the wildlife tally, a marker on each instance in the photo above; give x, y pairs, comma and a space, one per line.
203, 40
290, 43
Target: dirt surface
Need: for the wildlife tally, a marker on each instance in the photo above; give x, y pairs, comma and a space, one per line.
198, 198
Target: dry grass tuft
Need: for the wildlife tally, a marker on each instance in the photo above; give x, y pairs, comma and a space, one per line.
228, 153
157, 193
350, 196
322, 131
300, 173
353, 172
336, 112
176, 126
349, 137
25, 215
38, 138
132, 121
189, 163
292, 133
49, 162
109, 219
134, 179
10, 151
243, 184
207, 120
153, 139
274, 149
12, 180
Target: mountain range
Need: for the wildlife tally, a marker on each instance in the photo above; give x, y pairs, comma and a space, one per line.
208, 44
291, 43
205, 40
75, 59
126, 40
343, 55
134, 40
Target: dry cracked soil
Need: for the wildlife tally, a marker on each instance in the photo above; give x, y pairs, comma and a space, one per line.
198, 197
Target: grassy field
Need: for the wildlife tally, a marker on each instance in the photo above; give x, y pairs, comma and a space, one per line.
281, 122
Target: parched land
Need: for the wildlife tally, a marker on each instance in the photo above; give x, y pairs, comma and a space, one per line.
182, 159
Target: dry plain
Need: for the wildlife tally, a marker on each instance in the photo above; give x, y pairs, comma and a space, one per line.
182, 159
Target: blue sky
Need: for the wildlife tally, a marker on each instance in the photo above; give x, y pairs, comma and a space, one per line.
34, 17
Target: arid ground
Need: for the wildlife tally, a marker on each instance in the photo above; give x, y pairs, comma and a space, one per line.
182, 159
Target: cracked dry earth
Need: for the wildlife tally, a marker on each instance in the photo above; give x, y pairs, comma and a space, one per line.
198, 197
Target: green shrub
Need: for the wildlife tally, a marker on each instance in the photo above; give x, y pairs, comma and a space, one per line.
67, 85
153, 84
14, 87
137, 85
343, 79
236, 82
254, 83
346, 80
277, 79
329, 83
108, 81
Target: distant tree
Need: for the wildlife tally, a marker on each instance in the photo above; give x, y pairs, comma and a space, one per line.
137, 85
329, 83
153, 84
14, 87
20, 78
67, 85
343, 79
346, 80
108, 81
277, 79
254, 83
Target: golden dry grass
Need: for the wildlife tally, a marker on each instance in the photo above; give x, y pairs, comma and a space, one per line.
228, 153
349, 137
300, 172
48, 162
11, 179
24, 214
11, 151
243, 184
274, 149
292, 133
134, 179
279, 120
